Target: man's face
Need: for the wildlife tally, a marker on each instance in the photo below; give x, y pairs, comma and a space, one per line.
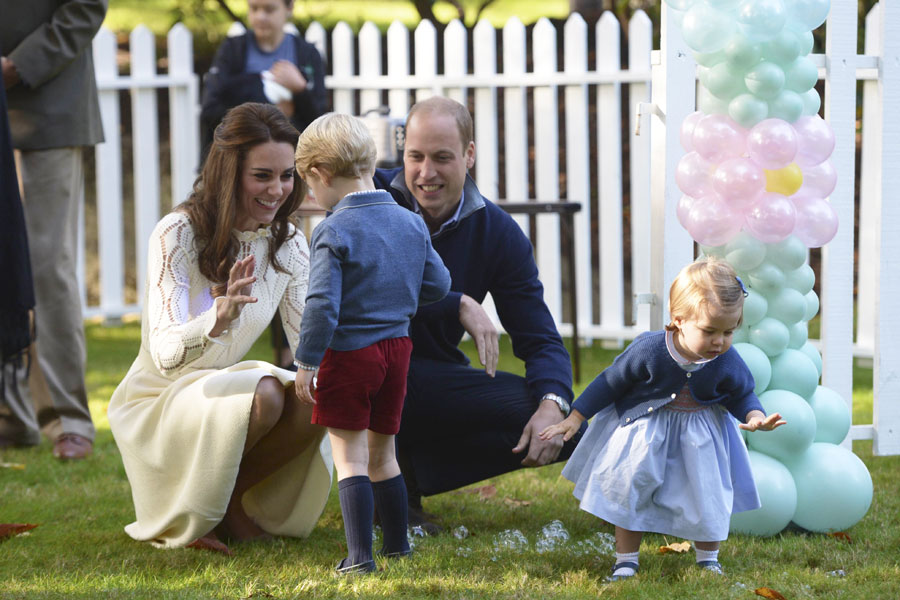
435, 164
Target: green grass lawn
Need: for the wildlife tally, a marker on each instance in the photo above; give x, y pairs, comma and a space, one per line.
80, 550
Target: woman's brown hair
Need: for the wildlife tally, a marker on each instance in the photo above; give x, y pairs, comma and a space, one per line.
212, 205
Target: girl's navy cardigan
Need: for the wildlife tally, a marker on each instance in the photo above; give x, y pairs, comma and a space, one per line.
645, 378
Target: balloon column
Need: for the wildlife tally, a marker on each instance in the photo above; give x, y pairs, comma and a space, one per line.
756, 178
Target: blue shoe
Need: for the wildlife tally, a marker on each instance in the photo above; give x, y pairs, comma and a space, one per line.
713, 566
623, 565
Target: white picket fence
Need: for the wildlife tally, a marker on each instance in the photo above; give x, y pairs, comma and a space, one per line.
659, 246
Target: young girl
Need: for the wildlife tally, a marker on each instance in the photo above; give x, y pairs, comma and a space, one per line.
662, 454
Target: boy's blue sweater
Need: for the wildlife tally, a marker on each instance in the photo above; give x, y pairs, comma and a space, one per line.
486, 251
372, 265
645, 378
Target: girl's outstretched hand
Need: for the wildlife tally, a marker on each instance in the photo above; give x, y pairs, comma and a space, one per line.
567, 427
756, 421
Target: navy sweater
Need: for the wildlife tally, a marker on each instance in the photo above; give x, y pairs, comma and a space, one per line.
371, 266
645, 378
486, 251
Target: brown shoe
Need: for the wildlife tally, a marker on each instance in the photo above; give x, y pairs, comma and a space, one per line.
71, 446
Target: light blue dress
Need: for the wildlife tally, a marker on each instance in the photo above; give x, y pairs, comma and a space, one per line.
680, 471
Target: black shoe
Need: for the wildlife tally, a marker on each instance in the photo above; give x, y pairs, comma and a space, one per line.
419, 518
343, 568
400, 554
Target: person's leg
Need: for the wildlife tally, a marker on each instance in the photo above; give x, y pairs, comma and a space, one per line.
351, 459
279, 430
53, 185
390, 494
628, 544
708, 556
459, 426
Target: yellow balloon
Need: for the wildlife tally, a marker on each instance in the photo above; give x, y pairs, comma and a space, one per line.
784, 181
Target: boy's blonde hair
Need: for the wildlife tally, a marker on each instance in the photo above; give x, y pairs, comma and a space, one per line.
337, 144
706, 281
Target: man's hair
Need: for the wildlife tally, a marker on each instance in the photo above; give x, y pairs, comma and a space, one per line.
704, 282
338, 144
446, 106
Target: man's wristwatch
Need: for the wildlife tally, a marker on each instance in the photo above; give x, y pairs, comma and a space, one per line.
560, 402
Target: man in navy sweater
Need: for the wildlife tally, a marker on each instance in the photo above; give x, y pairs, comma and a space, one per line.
461, 424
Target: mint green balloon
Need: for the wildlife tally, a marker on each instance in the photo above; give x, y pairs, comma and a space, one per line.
706, 29
758, 363
747, 110
788, 254
767, 278
807, 41
741, 335
709, 104
832, 415
787, 305
790, 439
744, 252
765, 80
812, 305
755, 308
783, 49
777, 498
813, 354
742, 53
799, 335
812, 102
801, 75
709, 59
724, 80
801, 279
834, 488
787, 106
770, 335
792, 370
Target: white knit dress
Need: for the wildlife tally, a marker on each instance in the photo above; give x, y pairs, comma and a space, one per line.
180, 416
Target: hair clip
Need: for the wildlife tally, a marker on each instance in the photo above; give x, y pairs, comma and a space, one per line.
743, 289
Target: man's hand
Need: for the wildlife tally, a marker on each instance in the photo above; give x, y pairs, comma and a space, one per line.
477, 324
303, 386
540, 452
10, 74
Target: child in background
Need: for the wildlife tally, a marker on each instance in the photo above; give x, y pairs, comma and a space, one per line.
372, 265
662, 454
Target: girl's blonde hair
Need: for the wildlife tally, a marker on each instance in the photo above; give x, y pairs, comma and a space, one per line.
706, 281
338, 144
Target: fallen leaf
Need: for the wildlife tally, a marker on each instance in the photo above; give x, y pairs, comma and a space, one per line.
516, 503
212, 545
487, 491
768, 593
678, 547
16, 466
840, 535
12, 529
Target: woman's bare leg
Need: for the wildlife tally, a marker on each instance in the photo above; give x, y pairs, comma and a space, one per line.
279, 430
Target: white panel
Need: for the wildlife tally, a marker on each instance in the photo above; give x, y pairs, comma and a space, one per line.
316, 35
837, 256
343, 66
183, 101
485, 57
547, 164
398, 66
144, 114
369, 64
609, 168
515, 118
456, 58
425, 55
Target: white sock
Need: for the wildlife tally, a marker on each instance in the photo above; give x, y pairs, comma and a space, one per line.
627, 557
705, 555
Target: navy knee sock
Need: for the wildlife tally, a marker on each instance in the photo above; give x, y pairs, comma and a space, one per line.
357, 506
391, 500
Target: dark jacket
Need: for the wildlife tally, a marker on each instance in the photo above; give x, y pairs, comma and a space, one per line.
486, 251
55, 105
645, 378
226, 85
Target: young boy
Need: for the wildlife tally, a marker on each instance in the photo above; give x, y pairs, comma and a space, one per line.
372, 265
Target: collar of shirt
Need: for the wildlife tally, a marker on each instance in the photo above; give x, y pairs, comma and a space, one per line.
449, 222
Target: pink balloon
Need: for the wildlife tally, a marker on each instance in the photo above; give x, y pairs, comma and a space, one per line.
718, 137
739, 182
772, 144
687, 130
815, 140
683, 209
816, 220
818, 181
693, 175
711, 222
772, 219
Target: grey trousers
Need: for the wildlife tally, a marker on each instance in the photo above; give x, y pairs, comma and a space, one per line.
52, 397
